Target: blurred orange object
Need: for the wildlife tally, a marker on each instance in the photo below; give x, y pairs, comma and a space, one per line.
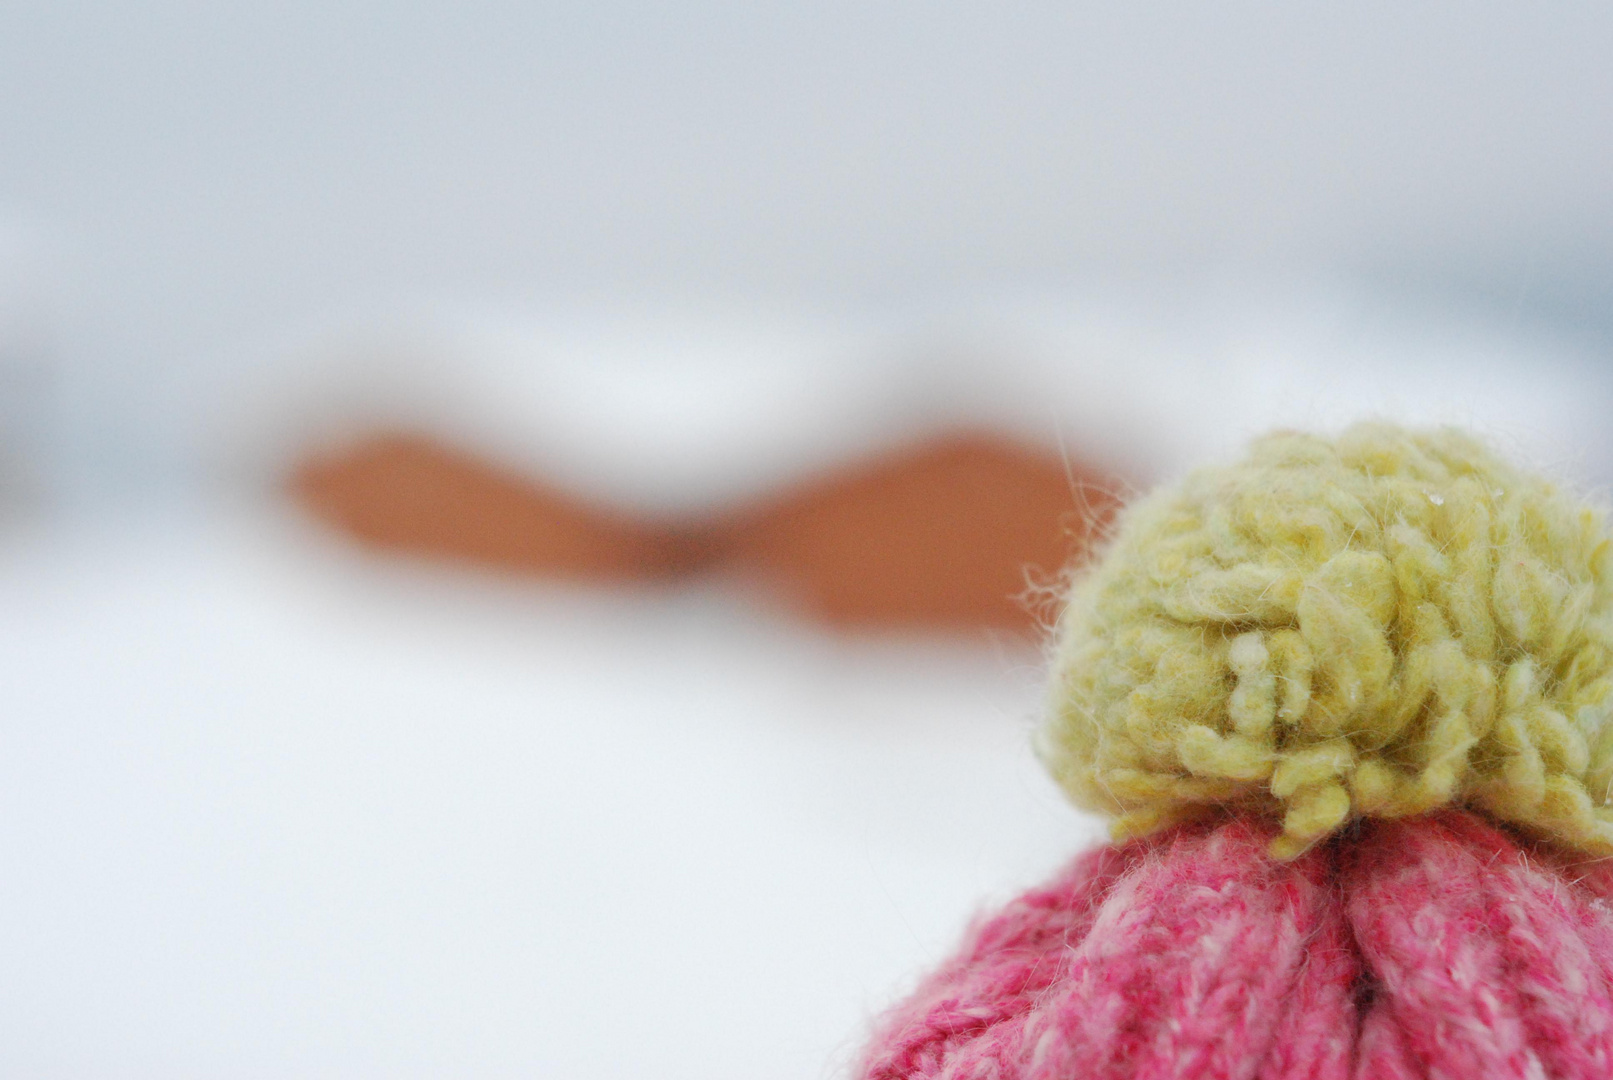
410, 493
956, 531
953, 532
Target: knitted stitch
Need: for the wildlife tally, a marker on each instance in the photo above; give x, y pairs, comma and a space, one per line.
1380, 624
1435, 946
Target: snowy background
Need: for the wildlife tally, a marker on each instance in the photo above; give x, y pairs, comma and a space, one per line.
269, 808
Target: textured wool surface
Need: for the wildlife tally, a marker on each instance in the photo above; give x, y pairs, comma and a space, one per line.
1439, 946
1379, 624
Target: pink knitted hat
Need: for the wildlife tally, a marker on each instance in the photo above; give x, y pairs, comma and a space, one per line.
1348, 701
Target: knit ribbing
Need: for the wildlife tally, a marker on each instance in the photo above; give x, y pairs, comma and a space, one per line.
1444, 948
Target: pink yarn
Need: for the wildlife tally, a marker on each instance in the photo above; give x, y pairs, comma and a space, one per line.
1428, 947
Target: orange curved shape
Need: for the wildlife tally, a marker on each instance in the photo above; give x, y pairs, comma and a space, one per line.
957, 531
409, 493
952, 532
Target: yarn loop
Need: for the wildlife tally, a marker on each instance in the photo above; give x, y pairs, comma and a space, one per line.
1379, 624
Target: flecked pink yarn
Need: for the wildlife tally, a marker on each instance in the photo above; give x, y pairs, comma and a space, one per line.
1437, 946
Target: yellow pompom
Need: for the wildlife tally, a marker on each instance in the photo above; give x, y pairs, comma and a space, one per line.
1382, 623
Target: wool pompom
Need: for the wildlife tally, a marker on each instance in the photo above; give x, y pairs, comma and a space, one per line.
1429, 946
1377, 625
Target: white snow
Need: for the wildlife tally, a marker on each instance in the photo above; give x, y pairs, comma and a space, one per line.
268, 811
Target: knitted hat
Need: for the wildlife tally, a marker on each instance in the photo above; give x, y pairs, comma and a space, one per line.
1348, 702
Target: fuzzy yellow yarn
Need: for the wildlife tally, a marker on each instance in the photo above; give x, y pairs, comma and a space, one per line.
1377, 624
